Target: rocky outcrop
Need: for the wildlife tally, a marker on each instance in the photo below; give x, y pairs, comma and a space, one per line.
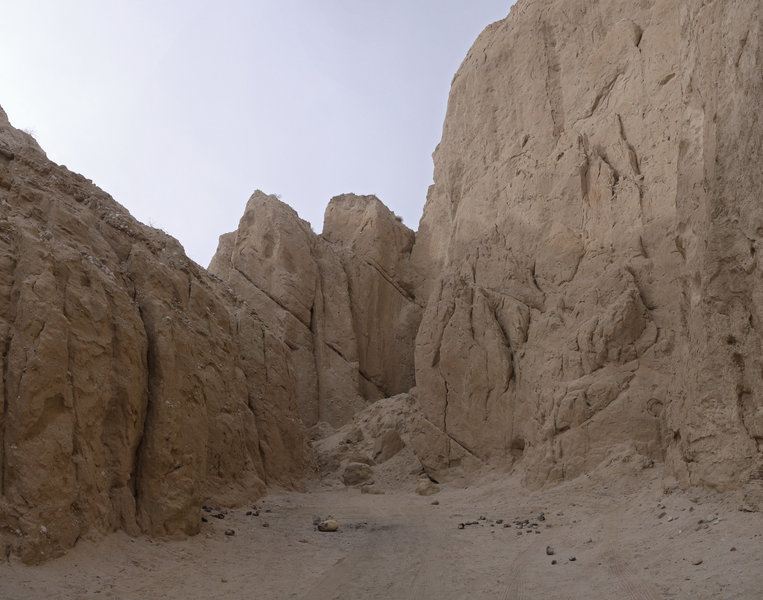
586, 281
375, 447
588, 253
341, 300
135, 386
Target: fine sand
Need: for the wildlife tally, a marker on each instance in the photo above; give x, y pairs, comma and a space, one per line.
630, 539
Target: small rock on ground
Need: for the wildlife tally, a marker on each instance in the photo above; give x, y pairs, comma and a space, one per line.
328, 525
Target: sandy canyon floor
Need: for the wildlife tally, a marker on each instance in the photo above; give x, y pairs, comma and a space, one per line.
613, 534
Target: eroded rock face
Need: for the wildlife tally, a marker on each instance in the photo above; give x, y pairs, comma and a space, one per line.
135, 386
339, 300
589, 252
586, 282
375, 446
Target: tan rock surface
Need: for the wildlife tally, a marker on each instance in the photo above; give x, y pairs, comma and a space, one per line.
134, 385
589, 250
387, 445
338, 300
585, 289
375, 248
385, 430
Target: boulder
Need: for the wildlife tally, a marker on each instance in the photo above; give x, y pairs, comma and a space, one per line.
427, 487
387, 445
356, 473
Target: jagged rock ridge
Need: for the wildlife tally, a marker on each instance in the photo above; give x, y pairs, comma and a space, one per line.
341, 300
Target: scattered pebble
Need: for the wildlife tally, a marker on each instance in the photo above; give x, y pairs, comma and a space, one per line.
328, 525
230, 532
549, 551
435, 502
572, 559
461, 525
266, 525
553, 562
697, 562
733, 550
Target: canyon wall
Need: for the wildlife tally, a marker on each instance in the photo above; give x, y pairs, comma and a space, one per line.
589, 252
341, 301
135, 385
585, 281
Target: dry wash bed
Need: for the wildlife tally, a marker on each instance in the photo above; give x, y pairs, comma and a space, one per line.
628, 539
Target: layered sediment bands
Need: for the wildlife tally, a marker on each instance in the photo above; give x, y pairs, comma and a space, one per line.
588, 254
341, 300
135, 386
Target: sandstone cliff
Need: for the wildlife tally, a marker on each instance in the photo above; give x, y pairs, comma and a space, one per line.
589, 252
585, 281
341, 300
135, 386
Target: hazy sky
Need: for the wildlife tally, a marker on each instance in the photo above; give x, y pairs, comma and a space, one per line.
180, 109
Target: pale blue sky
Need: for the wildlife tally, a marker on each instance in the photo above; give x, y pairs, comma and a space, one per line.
181, 109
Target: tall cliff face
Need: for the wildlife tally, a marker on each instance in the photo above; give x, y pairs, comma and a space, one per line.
135, 385
339, 300
589, 252
586, 279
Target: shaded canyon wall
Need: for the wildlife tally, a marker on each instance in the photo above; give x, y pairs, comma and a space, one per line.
135, 385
